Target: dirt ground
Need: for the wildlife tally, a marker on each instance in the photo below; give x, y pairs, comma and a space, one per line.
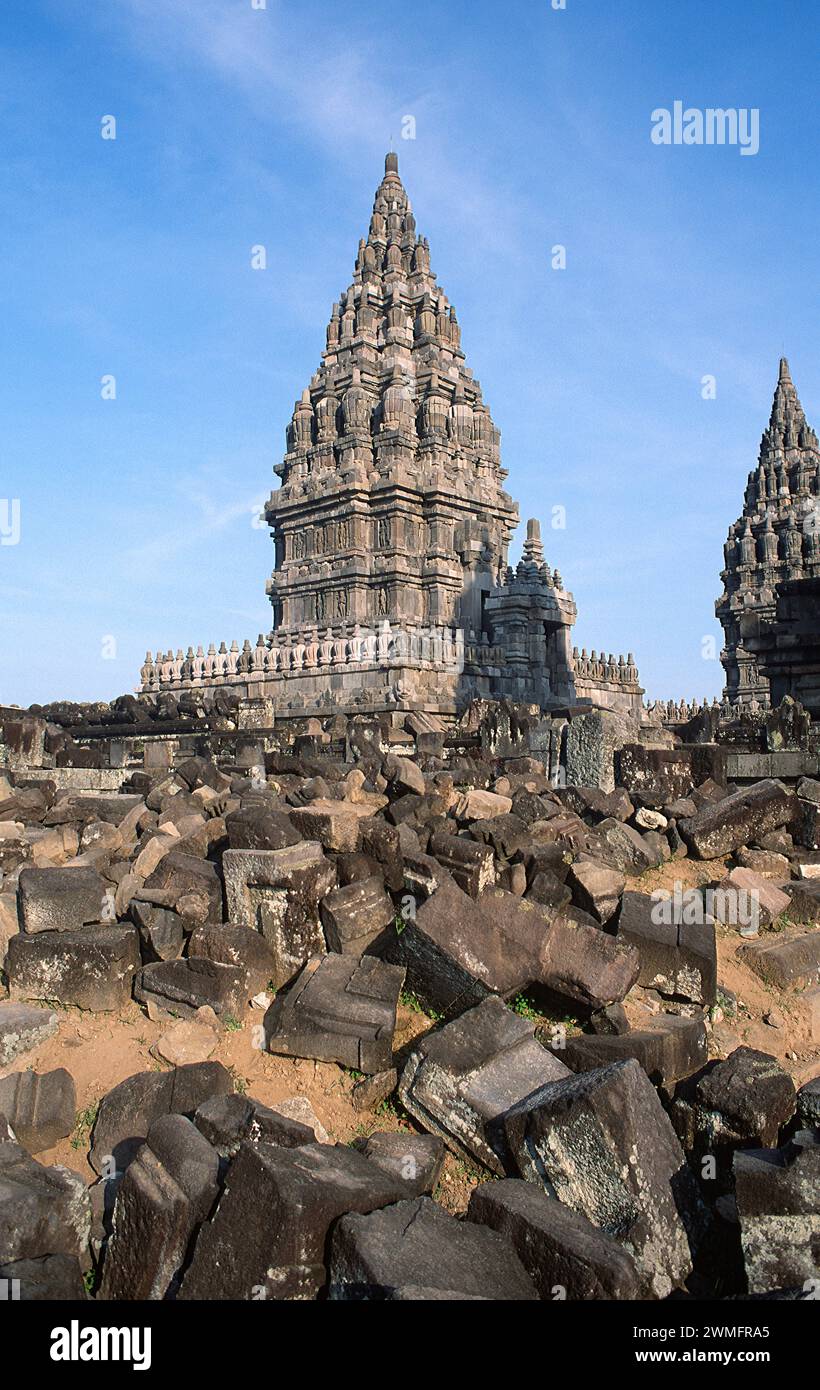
100, 1050
791, 1042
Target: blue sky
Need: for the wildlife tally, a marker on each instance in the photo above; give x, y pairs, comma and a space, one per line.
239, 126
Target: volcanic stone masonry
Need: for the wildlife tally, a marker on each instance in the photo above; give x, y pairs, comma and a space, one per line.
410, 1029
392, 588
773, 550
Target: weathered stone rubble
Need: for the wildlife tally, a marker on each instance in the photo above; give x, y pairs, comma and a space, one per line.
337, 878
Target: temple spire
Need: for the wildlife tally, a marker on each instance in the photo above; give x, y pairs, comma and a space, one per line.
533, 549
770, 542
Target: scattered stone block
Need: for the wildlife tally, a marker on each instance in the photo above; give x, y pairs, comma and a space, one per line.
60, 900
381, 843
745, 1099
462, 1080
300, 1111
260, 825
43, 1211
624, 847
808, 1104
40, 1107
764, 901
334, 824
49, 1279
339, 1009
596, 888
677, 957
741, 818
417, 1159
190, 884
372, 1090
178, 988
601, 1143
585, 966
673, 1050
776, 1193
193, 1040
22, 1028
804, 904
162, 932
166, 1192
127, 1112
477, 804
277, 892
793, 964
92, 968
356, 917
227, 1120
152, 853
457, 950
403, 775
549, 891
506, 835
416, 1244
766, 863
471, 864
239, 947
422, 874
268, 1235
563, 1253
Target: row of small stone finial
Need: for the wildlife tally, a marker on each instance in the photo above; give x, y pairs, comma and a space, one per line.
609, 668
680, 711
440, 646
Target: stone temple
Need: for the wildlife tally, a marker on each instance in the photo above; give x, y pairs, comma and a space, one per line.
392, 588
768, 609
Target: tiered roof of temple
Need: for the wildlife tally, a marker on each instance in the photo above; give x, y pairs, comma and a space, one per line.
392, 480
776, 538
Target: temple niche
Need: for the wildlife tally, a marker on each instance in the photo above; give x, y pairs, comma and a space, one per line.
391, 526
775, 541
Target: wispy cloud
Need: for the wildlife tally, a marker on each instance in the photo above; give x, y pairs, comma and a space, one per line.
329, 89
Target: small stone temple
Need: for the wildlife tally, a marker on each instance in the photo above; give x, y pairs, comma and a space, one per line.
773, 546
392, 586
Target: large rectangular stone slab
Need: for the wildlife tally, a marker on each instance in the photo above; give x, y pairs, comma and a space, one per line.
63, 899
92, 968
457, 950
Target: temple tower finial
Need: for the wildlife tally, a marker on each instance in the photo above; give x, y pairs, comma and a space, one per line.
533, 549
